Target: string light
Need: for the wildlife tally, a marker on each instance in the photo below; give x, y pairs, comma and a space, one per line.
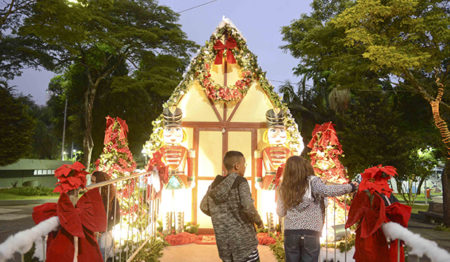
438, 121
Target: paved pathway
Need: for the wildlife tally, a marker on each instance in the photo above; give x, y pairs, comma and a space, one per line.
15, 215
205, 253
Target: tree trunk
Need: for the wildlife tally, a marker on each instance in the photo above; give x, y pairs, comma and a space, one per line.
419, 190
88, 142
445, 135
446, 192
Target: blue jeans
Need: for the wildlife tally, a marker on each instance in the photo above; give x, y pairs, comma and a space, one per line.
301, 245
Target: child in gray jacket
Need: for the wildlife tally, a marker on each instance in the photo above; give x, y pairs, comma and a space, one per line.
233, 214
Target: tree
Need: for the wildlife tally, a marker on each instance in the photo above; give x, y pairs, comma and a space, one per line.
45, 142
423, 161
16, 130
18, 52
332, 67
372, 133
309, 106
136, 98
409, 40
102, 35
11, 12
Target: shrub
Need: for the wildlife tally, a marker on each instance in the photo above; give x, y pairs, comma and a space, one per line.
278, 249
152, 251
190, 228
442, 227
30, 191
30, 183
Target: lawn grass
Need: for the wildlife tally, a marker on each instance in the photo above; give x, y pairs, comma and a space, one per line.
420, 197
8, 196
416, 208
27, 193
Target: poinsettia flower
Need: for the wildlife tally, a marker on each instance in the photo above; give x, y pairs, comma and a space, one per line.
123, 128
70, 177
375, 179
63, 170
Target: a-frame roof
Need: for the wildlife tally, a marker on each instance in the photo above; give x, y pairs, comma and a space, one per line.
245, 58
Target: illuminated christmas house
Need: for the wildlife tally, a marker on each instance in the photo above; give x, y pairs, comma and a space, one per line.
224, 100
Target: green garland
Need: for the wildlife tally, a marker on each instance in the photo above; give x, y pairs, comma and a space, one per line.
203, 64
248, 62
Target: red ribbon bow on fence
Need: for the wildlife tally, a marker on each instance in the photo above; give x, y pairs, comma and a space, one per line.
82, 220
229, 45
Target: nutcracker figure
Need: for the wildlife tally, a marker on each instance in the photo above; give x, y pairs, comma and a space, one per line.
272, 157
173, 165
270, 163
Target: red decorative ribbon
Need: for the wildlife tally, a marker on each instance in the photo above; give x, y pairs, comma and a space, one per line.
82, 220
220, 47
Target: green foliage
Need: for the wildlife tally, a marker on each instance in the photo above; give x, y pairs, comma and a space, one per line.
30, 191
347, 244
28, 256
415, 208
160, 226
442, 228
372, 134
16, 129
321, 47
278, 249
18, 52
46, 142
382, 122
398, 35
191, 228
104, 40
152, 251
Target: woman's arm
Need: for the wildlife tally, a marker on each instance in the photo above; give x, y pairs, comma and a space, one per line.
319, 188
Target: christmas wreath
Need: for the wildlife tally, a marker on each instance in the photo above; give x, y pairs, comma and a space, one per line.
234, 54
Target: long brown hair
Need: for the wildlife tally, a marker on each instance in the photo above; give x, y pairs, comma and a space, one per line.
295, 180
100, 177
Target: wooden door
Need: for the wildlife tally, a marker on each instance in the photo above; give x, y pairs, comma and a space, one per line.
213, 143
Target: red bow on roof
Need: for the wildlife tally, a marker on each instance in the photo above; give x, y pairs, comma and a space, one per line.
82, 220
229, 45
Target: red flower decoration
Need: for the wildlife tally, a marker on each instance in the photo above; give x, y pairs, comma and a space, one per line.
375, 179
265, 239
218, 92
70, 177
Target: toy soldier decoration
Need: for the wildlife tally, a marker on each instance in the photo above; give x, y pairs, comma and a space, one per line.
275, 155
176, 177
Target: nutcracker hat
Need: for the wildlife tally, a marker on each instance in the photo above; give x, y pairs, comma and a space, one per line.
275, 117
172, 116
